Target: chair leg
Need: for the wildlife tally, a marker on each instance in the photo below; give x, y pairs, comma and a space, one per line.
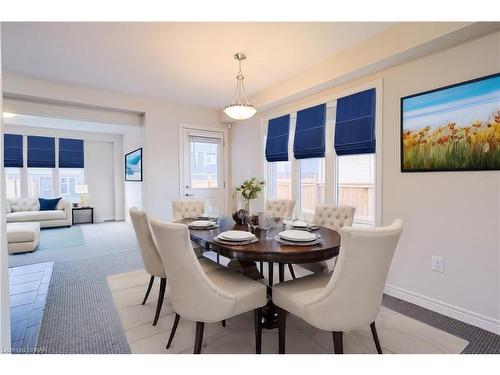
224, 323
338, 346
375, 338
151, 281
290, 268
257, 313
218, 258
163, 285
281, 268
174, 328
271, 273
262, 268
199, 337
281, 330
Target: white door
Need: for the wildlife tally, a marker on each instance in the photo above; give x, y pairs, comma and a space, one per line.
203, 168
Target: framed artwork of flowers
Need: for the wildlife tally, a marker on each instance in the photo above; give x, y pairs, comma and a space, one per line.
452, 128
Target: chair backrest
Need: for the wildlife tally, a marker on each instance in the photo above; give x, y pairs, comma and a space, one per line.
334, 217
352, 297
193, 295
149, 251
280, 208
186, 208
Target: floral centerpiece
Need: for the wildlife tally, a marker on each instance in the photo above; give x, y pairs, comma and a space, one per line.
249, 189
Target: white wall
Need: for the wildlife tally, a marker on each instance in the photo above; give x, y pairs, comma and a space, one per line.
4, 261
99, 174
132, 140
96, 158
160, 132
451, 214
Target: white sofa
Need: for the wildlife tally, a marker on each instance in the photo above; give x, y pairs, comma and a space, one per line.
22, 210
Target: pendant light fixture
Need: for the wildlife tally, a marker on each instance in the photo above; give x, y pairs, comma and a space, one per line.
240, 108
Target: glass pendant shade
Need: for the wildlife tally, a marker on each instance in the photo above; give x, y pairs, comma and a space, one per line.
240, 111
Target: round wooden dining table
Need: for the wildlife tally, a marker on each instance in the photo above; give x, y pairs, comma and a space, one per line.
243, 258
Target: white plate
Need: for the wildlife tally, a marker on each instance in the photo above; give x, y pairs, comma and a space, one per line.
300, 224
297, 235
236, 235
200, 223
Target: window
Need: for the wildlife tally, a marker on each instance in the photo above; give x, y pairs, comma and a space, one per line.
204, 156
280, 180
356, 185
312, 185
13, 182
345, 175
68, 179
40, 183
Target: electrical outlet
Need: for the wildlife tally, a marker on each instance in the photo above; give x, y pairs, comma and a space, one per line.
437, 263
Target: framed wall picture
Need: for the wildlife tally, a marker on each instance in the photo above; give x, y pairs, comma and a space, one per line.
453, 128
133, 165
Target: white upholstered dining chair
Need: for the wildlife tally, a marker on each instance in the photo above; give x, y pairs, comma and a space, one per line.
348, 298
331, 217
204, 297
151, 258
184, 209
280, 208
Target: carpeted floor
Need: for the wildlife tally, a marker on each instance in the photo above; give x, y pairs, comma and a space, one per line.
80, 316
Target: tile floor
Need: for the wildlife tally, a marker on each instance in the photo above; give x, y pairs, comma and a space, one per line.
28, 286
398, 333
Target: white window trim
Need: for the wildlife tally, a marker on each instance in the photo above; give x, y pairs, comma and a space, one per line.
330, 155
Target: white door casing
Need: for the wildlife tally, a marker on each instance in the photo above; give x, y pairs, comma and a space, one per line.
203, 165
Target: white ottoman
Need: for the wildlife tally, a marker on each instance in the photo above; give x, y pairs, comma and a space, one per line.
22, 237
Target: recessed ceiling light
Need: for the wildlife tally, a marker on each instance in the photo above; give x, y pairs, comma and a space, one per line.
8, 115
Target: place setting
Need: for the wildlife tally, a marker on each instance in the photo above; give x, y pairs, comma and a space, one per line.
301, 225
236, 237
203, 224
297, 237
205, 221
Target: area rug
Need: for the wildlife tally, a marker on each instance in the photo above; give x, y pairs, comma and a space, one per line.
398, 333
61, 237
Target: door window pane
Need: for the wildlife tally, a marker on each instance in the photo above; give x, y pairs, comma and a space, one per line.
356, 176
312, 185
13, 182
40, 183
204, 160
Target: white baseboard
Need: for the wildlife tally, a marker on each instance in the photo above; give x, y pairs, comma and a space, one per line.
455, 312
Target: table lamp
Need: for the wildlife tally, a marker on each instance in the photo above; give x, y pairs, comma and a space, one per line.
82, 190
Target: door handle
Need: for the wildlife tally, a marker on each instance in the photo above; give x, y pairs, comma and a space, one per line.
189, 195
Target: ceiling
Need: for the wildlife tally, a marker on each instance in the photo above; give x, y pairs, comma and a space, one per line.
189, 63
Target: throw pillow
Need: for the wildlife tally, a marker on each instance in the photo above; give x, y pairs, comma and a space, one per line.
61, 205
48, 204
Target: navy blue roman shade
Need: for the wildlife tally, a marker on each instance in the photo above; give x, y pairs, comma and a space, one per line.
277, 139
13, 150
41, 152
355, 124
309, 139
70, 153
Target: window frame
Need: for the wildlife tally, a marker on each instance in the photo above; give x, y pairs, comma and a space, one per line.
331, 159
55, 172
